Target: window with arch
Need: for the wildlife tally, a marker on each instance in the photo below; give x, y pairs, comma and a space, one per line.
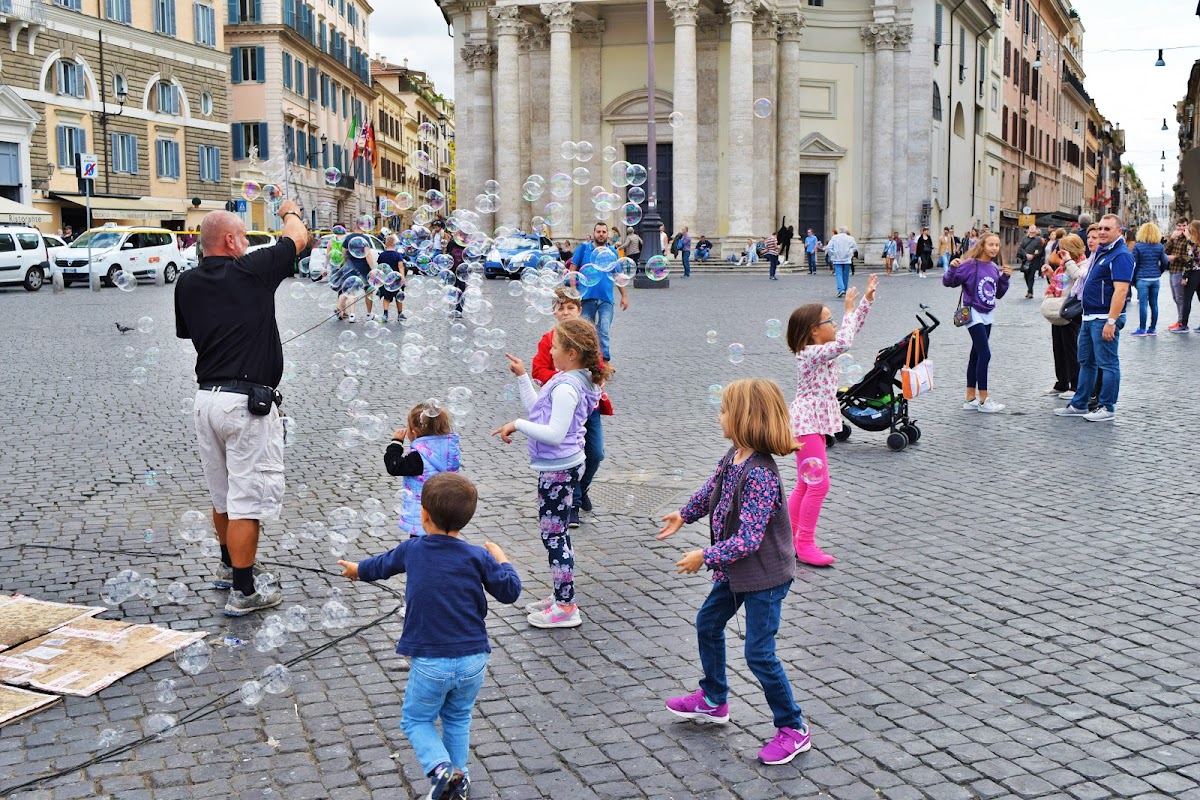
120, 87
206, 104
168, 98
68, 78
960, 126
937, 103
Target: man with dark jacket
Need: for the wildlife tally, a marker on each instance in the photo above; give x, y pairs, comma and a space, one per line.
1032, 254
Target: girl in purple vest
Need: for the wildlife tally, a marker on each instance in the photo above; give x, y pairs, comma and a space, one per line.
752, 558
556, 428
434, 449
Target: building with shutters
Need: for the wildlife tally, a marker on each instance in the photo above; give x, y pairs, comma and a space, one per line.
139, 84
299, 84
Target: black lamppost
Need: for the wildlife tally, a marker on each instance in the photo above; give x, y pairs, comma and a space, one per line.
651, 244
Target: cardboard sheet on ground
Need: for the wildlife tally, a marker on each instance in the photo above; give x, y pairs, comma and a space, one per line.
23, 618
17, 703
82, 658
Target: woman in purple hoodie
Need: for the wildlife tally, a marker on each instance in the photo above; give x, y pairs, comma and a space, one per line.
983, 283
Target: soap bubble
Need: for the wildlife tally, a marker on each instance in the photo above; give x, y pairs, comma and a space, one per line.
675, 119
130, 351
338, 230
147, 588
560, 187
610, 153
177, 592
150, 478
812, 471
531, 191
365, 223
265, 582
435, 199
333, 176
347, 340
347, 390
714, 394
478, 361
148, 535
152, 356
631, 213
193, 658
737, 353
404, 201
844, 362
325, 207
762, 108
165, 691
636, 175
252, 693
120, 587
145, 324
584, 151
677, 474
619, 173
569, 151
210, 547
357, 248
160, 724
711, 337
581, 176
251, 191
276, 679
125, 281
852, 375
337, 257
658, 268
774, 329
296, 618
335, 614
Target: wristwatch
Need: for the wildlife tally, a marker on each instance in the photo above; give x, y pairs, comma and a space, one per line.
295, 214
1111, 321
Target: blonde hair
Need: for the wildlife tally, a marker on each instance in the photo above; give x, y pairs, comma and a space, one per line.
580, 335
758, 416
1149, 234
1073, 245
977, 250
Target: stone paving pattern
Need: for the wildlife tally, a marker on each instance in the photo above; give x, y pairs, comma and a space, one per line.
1012, 613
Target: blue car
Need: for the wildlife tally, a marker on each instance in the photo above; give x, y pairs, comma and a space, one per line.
512, 255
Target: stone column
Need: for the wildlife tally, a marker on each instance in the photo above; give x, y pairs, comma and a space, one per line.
591, 35
904, 217
525, 70
480, 58
464, 98
561, 19
881, 38
766, 53
507, 27
787, 171
741, 122
539, 112
685, 138
708, 126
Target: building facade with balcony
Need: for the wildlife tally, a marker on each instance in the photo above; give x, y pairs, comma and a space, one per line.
299, 84
139, 84
1187, 184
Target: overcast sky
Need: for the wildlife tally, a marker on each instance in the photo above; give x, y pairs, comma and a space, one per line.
1126, 86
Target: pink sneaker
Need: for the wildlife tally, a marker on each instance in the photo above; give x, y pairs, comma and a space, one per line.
695, 707
787, 744
813, 555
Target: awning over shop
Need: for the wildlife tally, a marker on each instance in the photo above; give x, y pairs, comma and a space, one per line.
17, 214
135, 208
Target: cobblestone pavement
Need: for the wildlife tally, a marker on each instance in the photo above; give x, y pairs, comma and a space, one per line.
1012, 613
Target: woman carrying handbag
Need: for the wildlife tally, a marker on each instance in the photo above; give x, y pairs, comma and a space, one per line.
983, 283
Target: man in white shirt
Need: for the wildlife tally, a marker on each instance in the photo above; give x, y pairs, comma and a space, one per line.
841, 249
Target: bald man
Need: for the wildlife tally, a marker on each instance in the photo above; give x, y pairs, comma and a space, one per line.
226, 306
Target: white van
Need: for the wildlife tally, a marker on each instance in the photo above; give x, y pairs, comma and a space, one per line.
23, 257
142, 251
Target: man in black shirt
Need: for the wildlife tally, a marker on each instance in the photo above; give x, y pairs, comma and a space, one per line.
226, 306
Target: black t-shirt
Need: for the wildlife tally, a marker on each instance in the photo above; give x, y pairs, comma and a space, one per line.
391, 258
226, 306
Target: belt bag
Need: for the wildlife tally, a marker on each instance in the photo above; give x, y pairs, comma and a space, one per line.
258, 397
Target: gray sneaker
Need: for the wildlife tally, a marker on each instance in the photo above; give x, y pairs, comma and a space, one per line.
1070, 411
1101, 414
223, 577
239, 605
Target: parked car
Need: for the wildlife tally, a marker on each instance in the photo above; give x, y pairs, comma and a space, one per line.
317, 259
54, 244
143, 251
23, 257
513, 254
258, 240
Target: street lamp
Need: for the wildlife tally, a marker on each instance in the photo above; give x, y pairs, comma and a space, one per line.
1037, 62
1160, 62
1165, 124
651, 243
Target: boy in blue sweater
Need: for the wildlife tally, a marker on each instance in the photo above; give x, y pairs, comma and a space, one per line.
445, 634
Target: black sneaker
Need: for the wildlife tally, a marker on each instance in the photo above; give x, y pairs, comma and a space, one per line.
573, 518
585, 502
446, 784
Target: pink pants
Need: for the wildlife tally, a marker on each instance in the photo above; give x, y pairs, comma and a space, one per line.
804, 503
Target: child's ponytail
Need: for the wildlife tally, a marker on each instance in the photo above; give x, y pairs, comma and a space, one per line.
580, 335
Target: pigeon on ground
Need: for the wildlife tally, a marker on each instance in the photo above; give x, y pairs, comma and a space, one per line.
122, 328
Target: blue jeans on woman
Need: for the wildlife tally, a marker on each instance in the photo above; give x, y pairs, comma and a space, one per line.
445, 688
842, 273
763, 610
1147, 294
1096, 356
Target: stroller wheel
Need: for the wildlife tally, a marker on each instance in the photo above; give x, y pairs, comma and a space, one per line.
828, 441
897, 441
912, 432
843, 434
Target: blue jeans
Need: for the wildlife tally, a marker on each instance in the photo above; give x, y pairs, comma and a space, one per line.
944, 260
687, 262
702, 255
812, 262
593, 451
763, 610
1097, 355
842, 272
446, 688
773, 260
600, 314
1147, 293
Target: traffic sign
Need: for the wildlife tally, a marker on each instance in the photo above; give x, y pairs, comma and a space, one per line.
85, 166
241, 206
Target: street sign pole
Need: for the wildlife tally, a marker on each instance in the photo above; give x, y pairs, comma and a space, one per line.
85, 170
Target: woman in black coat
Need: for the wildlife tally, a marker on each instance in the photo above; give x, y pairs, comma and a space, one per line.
924, 252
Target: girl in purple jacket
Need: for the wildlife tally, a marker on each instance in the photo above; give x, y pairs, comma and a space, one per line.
983, 283
556, 428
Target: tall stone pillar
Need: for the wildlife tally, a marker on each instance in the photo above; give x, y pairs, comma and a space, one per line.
539, 111
904, 216
480, 57
708, 126
766, 78
507, 26
463, 95
591, 36
741, 122
562, 21
685, 138
881, 39
525, 70
787, 170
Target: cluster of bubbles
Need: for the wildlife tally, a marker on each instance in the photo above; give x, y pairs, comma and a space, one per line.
127, 584
149, 357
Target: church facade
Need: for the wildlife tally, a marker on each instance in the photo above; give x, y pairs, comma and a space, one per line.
877, 110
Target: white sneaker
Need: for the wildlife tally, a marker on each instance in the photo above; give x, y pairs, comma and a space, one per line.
971, 405
540, 605
1070, 411
350, 318
556, 617
990, 406
1067, 395
1101, 415
1055, 391
370, 317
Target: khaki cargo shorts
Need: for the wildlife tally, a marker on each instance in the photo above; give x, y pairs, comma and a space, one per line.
242, 455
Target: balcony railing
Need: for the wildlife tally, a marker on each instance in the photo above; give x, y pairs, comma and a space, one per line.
345, 182
27, 10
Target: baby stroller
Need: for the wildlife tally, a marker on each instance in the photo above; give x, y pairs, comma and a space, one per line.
877, 402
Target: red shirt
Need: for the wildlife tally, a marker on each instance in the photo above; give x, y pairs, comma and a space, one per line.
543, 369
